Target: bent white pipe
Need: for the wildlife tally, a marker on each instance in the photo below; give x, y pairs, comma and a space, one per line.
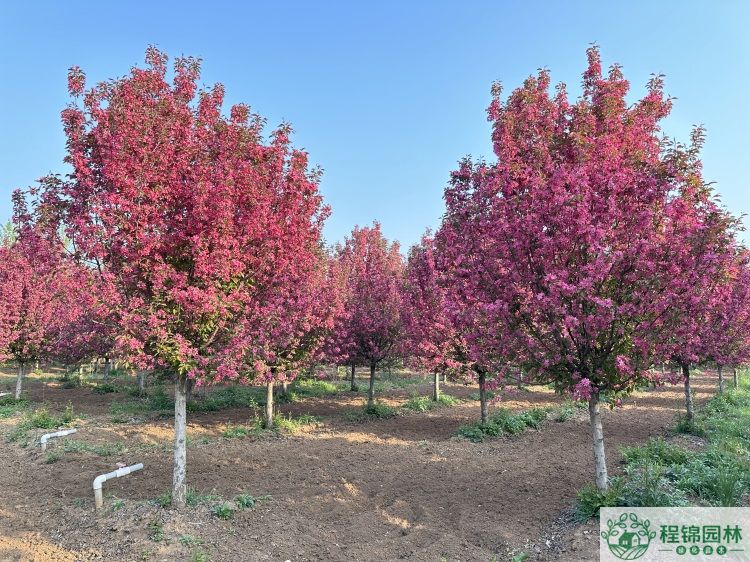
102, 478
47, 436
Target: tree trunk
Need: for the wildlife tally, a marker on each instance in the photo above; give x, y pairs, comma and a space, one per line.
688, 393
720, 369
436, 387
179, 475
597, 434
483, 414
268, 418
734, 377
445, 378
371, 390
190, 386
141, 382
354, 381
107, 368
663, 369
284, 387
19, 379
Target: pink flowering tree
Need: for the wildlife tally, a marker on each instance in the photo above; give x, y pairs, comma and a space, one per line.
193, 218
370, 328
727, 325
564, 254
37, 291
430, 341
286, 334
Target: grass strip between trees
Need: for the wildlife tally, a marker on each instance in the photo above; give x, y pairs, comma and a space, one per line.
663, 474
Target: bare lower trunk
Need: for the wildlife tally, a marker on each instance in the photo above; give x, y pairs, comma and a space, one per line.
597, 434
663, 369
483, 413
141, 382
371, 390
284, 387
179, 474
720, 370
190, 387
107, 368
734, 377
354, 381
690, 414
19, 379
436, 387
445, 378
268, 418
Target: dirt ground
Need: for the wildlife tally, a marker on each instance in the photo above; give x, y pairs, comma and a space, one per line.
399, 488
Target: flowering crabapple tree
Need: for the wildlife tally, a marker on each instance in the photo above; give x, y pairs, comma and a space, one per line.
286, 335
430, 340
193, 217
37, 289
370, 329
564, 254
727, 340
704, 259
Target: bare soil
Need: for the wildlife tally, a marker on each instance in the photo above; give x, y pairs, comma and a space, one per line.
399, 488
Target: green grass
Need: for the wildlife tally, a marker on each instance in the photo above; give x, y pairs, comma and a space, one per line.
661, 474
41, 418
9, 406
379, 410
103, 450
157, 401
504, 422
426, 403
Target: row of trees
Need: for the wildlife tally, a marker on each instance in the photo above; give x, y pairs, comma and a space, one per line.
183, 240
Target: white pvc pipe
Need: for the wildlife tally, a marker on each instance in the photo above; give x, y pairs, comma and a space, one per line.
47, 436
4, 394
102, 478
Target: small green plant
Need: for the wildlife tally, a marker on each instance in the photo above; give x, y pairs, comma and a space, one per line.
156, 531
199, 556
419, 403
53, 457
245, 501
223, 510
235, 431
117, 504
189, 540
590, 499
164, 500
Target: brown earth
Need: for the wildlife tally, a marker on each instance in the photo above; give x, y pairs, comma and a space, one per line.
400, 488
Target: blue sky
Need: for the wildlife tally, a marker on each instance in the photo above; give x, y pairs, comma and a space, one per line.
386, 96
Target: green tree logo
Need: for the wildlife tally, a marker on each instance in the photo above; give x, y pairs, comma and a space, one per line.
628, 537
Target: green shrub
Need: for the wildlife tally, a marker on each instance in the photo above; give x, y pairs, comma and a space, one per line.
504, 421
590, 499
223, 510
107, 388
235, 431
420, 403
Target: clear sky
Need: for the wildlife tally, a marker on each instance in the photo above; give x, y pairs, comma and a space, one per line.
385, 96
